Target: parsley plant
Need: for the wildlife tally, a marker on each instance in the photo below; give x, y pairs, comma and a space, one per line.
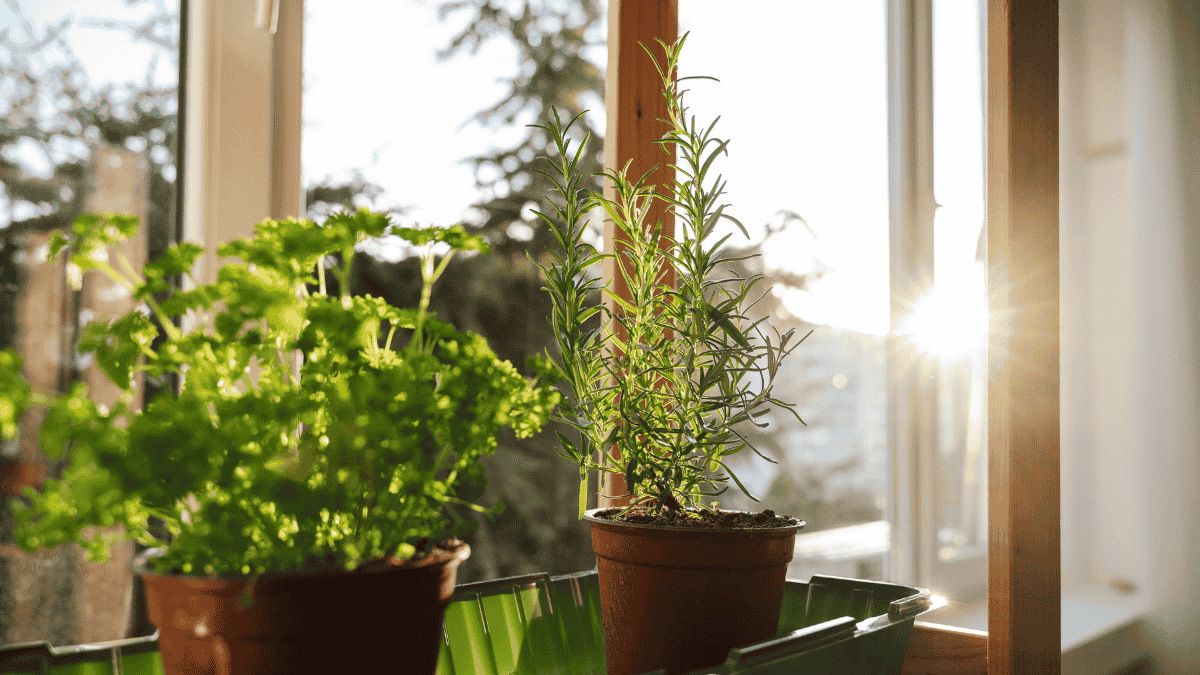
264, 461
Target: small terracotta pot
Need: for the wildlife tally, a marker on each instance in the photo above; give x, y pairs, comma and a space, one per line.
680, 598
16, 475
386, 620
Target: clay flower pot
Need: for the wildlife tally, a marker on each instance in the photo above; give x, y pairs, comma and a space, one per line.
387, 619
16, 475
680, 598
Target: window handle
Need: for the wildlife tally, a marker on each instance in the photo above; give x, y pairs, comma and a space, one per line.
266, 16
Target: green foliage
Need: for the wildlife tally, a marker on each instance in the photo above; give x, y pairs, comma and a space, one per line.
262, 461
16, 394
676, 368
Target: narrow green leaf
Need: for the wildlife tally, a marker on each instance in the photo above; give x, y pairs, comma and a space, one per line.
583, 490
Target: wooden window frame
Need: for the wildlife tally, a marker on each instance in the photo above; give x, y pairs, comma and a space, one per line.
1021, 109
1024, 574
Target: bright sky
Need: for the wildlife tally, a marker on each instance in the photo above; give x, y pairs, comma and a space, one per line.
378, 100
825, 158
803, 98
958, 142
109, 56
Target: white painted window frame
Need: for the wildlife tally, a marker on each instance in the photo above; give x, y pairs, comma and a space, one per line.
242, 119
913, 394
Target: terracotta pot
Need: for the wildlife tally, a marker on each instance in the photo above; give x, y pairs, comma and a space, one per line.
680, 598
386, 620
16, 475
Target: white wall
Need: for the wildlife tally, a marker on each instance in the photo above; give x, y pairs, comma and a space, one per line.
1130, 242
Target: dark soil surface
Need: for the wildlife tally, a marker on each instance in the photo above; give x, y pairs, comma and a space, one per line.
427, 548
428, 552
700, 519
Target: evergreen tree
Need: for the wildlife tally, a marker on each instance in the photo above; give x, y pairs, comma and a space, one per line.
553, 40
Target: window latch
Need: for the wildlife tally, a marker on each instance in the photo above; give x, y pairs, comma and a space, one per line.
266, 16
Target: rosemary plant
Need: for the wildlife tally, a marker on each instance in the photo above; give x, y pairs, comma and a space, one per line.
674, 369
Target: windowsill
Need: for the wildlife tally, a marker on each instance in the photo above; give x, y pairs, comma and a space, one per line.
1101, 628
850, 551
1089, 613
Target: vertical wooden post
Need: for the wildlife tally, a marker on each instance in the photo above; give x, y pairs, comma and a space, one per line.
1024, 610
635, 105
119, 185
40, 585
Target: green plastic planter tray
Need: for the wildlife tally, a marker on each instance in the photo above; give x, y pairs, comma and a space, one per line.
543, 625
135, 656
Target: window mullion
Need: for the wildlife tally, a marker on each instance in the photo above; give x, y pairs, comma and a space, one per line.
233, 149
1024, 567
912, 387
287, 93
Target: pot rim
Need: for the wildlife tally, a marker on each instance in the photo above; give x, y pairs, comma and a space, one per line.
793, 529
458, 554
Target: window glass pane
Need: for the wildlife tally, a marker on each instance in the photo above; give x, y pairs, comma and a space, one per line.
959, 301
807, 174
421, 109
88, 104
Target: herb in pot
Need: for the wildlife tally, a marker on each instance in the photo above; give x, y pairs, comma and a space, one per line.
676, 367
668, 378
306, 428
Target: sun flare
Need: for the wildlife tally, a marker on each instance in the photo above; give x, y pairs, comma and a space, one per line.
950, 322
